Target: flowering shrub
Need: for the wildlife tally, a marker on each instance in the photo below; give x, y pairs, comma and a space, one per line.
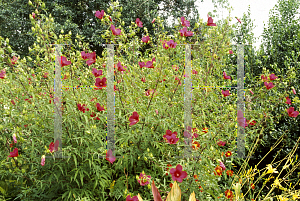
142, 121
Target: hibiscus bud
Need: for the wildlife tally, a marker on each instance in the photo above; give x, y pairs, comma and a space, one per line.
29, 3
62, 31
9, 50
7, 40
43, 5
118, 15
121, 9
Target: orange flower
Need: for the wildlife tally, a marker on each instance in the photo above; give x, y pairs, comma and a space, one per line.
196, 177
228, 154
219, 170
205, 130
252, 186
201, 189
228, 194
171, 185
222, 153
195, 145
229, 172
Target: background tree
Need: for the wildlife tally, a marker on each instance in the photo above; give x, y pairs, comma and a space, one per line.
279, 53
79, 18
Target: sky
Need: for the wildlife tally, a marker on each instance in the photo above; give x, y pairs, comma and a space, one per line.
259, 12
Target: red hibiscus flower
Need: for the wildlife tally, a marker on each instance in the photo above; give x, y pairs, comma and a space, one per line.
273, 77
294, 91
292, 113
178, 174
263, 77
184, 32
33, 15
100, 108
134, 198
210, 22
82, 108
139, 22
115, 31
172, 139
269, 85
14, 153
220, 143
230, 52
54, 147
84, 55
172, 44
169, 133
96, 72
145, 39
110, 157
226, 93
120, 67
153, 20
134, 118
226, 76
184, 22
100, 83
92, 58
64, 61
99, 14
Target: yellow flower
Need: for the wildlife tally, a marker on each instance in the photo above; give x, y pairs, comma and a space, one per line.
277, 183
295, 197
282, 198
270, 169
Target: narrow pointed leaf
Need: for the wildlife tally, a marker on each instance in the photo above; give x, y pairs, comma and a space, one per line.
140, 198
192, 197
175, 194
155, 192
